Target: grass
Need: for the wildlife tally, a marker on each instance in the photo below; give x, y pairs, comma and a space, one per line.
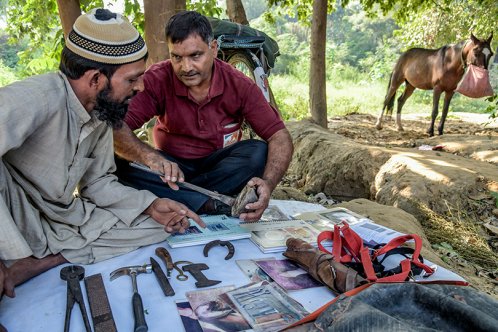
344, 97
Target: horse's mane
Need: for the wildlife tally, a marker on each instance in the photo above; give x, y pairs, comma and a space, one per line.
457, 48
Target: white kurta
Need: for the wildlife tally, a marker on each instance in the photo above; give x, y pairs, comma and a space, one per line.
51, 148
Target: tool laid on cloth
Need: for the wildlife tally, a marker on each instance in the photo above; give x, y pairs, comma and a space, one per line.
138, 308
164, 254
228, 244
181, 276
246, 196
100, 308
161, 278
196, 271
72, 274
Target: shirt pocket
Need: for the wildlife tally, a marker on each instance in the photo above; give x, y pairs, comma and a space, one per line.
230, 133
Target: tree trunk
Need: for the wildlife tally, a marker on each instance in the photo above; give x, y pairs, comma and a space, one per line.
318, 95
236, 12
156, 15
69, 11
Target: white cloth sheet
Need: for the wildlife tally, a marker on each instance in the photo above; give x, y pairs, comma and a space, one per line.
40, 303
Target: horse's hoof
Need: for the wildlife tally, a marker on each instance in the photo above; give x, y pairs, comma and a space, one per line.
378, 126
400, 129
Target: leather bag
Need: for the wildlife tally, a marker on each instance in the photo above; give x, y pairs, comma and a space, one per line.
322, 267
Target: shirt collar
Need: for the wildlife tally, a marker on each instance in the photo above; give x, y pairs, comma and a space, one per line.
73, 102
88, 122
217, 82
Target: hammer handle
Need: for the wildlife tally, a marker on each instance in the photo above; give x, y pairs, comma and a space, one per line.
138, 312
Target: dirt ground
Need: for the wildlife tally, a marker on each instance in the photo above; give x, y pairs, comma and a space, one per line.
445, 182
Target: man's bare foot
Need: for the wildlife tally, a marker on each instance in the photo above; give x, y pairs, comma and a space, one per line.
25, 269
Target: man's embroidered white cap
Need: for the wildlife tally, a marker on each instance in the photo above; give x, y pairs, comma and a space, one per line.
106, 37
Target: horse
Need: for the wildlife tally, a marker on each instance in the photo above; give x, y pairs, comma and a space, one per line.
439, 70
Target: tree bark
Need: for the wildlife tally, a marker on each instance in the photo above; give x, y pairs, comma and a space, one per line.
236, 12
69, 11
317, 87
156, 15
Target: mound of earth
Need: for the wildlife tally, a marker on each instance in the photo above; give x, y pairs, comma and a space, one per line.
446, 182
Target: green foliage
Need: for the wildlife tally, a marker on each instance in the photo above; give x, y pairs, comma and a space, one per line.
449, 23
300, 9
37, 23
494, 194
292, 96
254, 8
7, 75
492, 108
205, 7
8, 51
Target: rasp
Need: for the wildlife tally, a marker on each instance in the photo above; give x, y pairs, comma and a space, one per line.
161, 278
100, 308
222, 198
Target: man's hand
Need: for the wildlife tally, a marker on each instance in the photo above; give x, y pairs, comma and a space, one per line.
172, 173
173, 215
129, 147
263, 190
6, 284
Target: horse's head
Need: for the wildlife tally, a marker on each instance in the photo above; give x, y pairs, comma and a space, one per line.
479, 51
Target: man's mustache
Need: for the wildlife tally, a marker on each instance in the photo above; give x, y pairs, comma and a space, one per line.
189, 73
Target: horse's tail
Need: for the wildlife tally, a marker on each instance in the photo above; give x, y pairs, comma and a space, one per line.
389, 102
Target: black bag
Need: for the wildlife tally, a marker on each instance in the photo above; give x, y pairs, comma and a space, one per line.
409, 307
269, 45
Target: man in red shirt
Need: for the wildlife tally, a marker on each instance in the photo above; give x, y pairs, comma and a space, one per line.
200, 103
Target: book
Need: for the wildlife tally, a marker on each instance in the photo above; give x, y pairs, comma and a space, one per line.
271, 236
287, 274
218, 227
326, 219
188, 317
213, 313
265, 306
252, 270
272, 212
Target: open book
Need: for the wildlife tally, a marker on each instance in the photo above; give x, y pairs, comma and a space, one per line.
271, 236
218, 227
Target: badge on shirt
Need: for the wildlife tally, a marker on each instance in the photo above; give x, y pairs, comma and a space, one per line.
229, 139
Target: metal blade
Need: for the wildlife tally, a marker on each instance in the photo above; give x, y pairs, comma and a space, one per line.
161, 278
222, 198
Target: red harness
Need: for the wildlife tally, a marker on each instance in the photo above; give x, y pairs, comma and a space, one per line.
348, 248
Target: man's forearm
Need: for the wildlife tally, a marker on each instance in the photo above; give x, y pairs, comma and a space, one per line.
280, 151
129, 147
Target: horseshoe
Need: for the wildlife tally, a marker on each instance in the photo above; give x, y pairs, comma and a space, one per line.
228, 244
181, 276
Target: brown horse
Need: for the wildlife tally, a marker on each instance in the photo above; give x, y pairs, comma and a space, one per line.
438, 70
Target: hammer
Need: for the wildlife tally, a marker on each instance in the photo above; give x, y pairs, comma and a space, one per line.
138, 308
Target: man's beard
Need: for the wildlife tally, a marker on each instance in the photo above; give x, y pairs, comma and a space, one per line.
110, 111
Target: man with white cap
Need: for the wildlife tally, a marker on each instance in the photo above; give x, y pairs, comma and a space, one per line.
59, 201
